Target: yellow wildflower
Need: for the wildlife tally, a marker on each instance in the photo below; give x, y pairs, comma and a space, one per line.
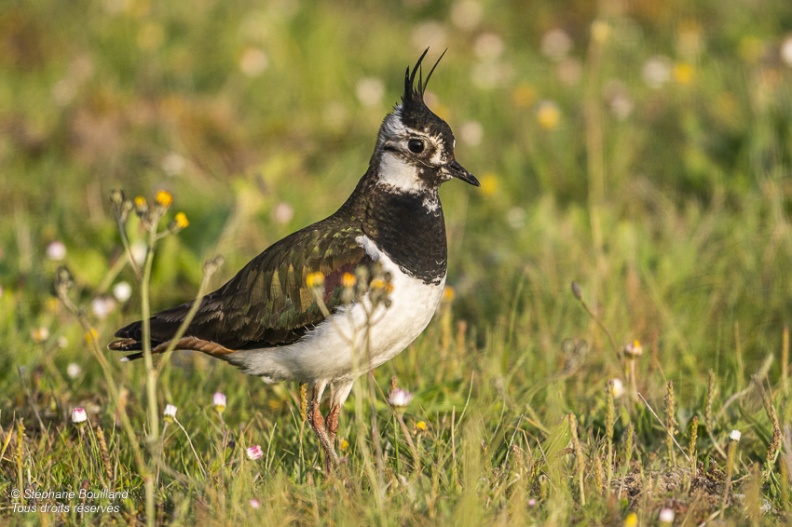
683, 73
91, 336
181, 220
164, 198
548, 115
379, 283
600, 31
315, 279
53, 304
524, 96
421, 426
348, 280
489, 184
449, 293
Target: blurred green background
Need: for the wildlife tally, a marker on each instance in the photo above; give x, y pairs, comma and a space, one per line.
260, 117
641, 148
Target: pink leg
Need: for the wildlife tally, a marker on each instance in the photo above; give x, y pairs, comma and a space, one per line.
318, 424
332, 421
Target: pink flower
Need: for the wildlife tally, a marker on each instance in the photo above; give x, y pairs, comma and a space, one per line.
399, 398
254, 452
79, 416
219, 401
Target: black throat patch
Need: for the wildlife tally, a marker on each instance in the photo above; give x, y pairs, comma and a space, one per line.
409, 227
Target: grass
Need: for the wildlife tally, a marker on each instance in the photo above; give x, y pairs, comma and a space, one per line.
649, 164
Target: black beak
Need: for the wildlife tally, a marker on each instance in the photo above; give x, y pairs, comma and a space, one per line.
458, 171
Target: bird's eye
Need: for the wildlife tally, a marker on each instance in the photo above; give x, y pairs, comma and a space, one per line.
416, 146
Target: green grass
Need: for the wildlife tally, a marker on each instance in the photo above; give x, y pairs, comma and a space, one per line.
673, 216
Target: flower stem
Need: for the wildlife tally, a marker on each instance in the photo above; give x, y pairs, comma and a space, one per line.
151, 381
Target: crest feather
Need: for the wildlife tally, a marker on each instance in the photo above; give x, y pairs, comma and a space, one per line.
413, 94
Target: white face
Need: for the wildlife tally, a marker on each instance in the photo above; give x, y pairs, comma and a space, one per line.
405, 152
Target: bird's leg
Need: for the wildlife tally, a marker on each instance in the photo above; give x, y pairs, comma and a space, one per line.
332, 421
318, 424
339, 394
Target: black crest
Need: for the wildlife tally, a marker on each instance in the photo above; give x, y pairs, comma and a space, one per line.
413, 107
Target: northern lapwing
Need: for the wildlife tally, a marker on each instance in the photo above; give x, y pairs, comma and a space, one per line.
338, 298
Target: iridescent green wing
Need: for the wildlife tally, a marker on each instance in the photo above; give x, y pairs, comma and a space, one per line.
268, 302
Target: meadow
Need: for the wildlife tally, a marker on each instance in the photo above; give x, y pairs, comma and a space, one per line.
641, 151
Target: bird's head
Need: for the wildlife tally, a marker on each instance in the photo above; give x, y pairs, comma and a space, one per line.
415, 147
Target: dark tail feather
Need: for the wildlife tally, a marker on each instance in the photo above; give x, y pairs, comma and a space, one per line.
129, 340
126, 345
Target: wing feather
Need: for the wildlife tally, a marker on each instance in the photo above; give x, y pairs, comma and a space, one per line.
268, 302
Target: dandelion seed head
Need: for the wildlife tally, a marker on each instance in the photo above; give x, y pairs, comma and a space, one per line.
253, 62
556, 44
56, 251
466, 14
430, 34
370, 91
570, 71
102, 306
666, 515
488, 46
138, 250
471, 133
786, 51
40, 334
173, 164
657, 71
616, 387
73, 370
515, 217
122, 291
283, 213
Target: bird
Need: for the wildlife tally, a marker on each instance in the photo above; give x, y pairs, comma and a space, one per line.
344, 295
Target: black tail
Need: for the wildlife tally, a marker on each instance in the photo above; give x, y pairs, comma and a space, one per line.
131, 339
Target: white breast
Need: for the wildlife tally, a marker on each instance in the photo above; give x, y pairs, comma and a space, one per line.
337, 350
